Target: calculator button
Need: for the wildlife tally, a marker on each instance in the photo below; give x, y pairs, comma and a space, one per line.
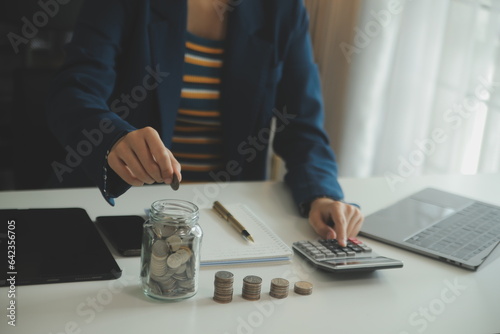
330, 255
319, 256
355, 241
340, 254
329, 242
366, 249
357, 249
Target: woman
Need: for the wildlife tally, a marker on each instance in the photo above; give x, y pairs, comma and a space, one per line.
148, 82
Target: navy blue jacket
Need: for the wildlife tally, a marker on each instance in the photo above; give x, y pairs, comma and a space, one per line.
124, 68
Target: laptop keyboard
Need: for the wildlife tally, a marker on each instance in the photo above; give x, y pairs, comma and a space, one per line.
464, 234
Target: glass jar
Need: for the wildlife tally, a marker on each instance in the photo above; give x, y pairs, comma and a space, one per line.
170, 255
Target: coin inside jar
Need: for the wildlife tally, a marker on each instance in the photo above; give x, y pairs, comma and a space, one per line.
174, 242
159, 248
174, 260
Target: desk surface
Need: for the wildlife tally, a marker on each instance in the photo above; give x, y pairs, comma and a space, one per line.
426, 296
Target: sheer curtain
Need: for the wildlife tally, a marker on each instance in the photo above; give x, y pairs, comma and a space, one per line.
331, 23
422, 91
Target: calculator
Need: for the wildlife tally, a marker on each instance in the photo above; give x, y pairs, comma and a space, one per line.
327, 254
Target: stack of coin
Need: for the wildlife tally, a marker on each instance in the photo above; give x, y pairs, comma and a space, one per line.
251, 287
159, 254
303, 288
279, 288
223, 283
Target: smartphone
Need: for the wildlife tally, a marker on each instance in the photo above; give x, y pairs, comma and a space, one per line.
124, 233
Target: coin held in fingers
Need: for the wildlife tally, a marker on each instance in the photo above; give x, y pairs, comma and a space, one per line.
175, 182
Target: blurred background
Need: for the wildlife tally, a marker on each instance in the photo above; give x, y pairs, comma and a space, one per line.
410, 87
28, 59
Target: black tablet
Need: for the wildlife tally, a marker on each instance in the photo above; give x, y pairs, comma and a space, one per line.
53, 246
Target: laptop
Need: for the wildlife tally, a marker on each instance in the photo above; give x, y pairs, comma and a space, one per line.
53, 246
445, 226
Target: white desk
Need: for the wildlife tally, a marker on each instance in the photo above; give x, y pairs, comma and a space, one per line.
426, 296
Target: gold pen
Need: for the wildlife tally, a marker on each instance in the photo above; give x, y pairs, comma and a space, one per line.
222, 211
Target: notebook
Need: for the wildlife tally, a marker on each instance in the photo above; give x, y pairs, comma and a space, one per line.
222, 244
53, 246
436, 223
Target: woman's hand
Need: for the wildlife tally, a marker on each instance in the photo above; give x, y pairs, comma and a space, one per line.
335, 220
140, 157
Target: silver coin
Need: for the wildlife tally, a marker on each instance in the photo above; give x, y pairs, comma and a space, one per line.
174, 242
184, 254
174, 260
162, 278
190, 270
160, 258
180, 277
251, 279
157, 272
159, 248
158, 261
280, 282
224, 275
303, 285
223, 301
188, 284
171, 271
181, 269
154, 287
175, 182
164, 230
158, 268
168, 285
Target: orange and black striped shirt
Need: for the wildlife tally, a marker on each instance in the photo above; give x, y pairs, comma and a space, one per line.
197, 141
